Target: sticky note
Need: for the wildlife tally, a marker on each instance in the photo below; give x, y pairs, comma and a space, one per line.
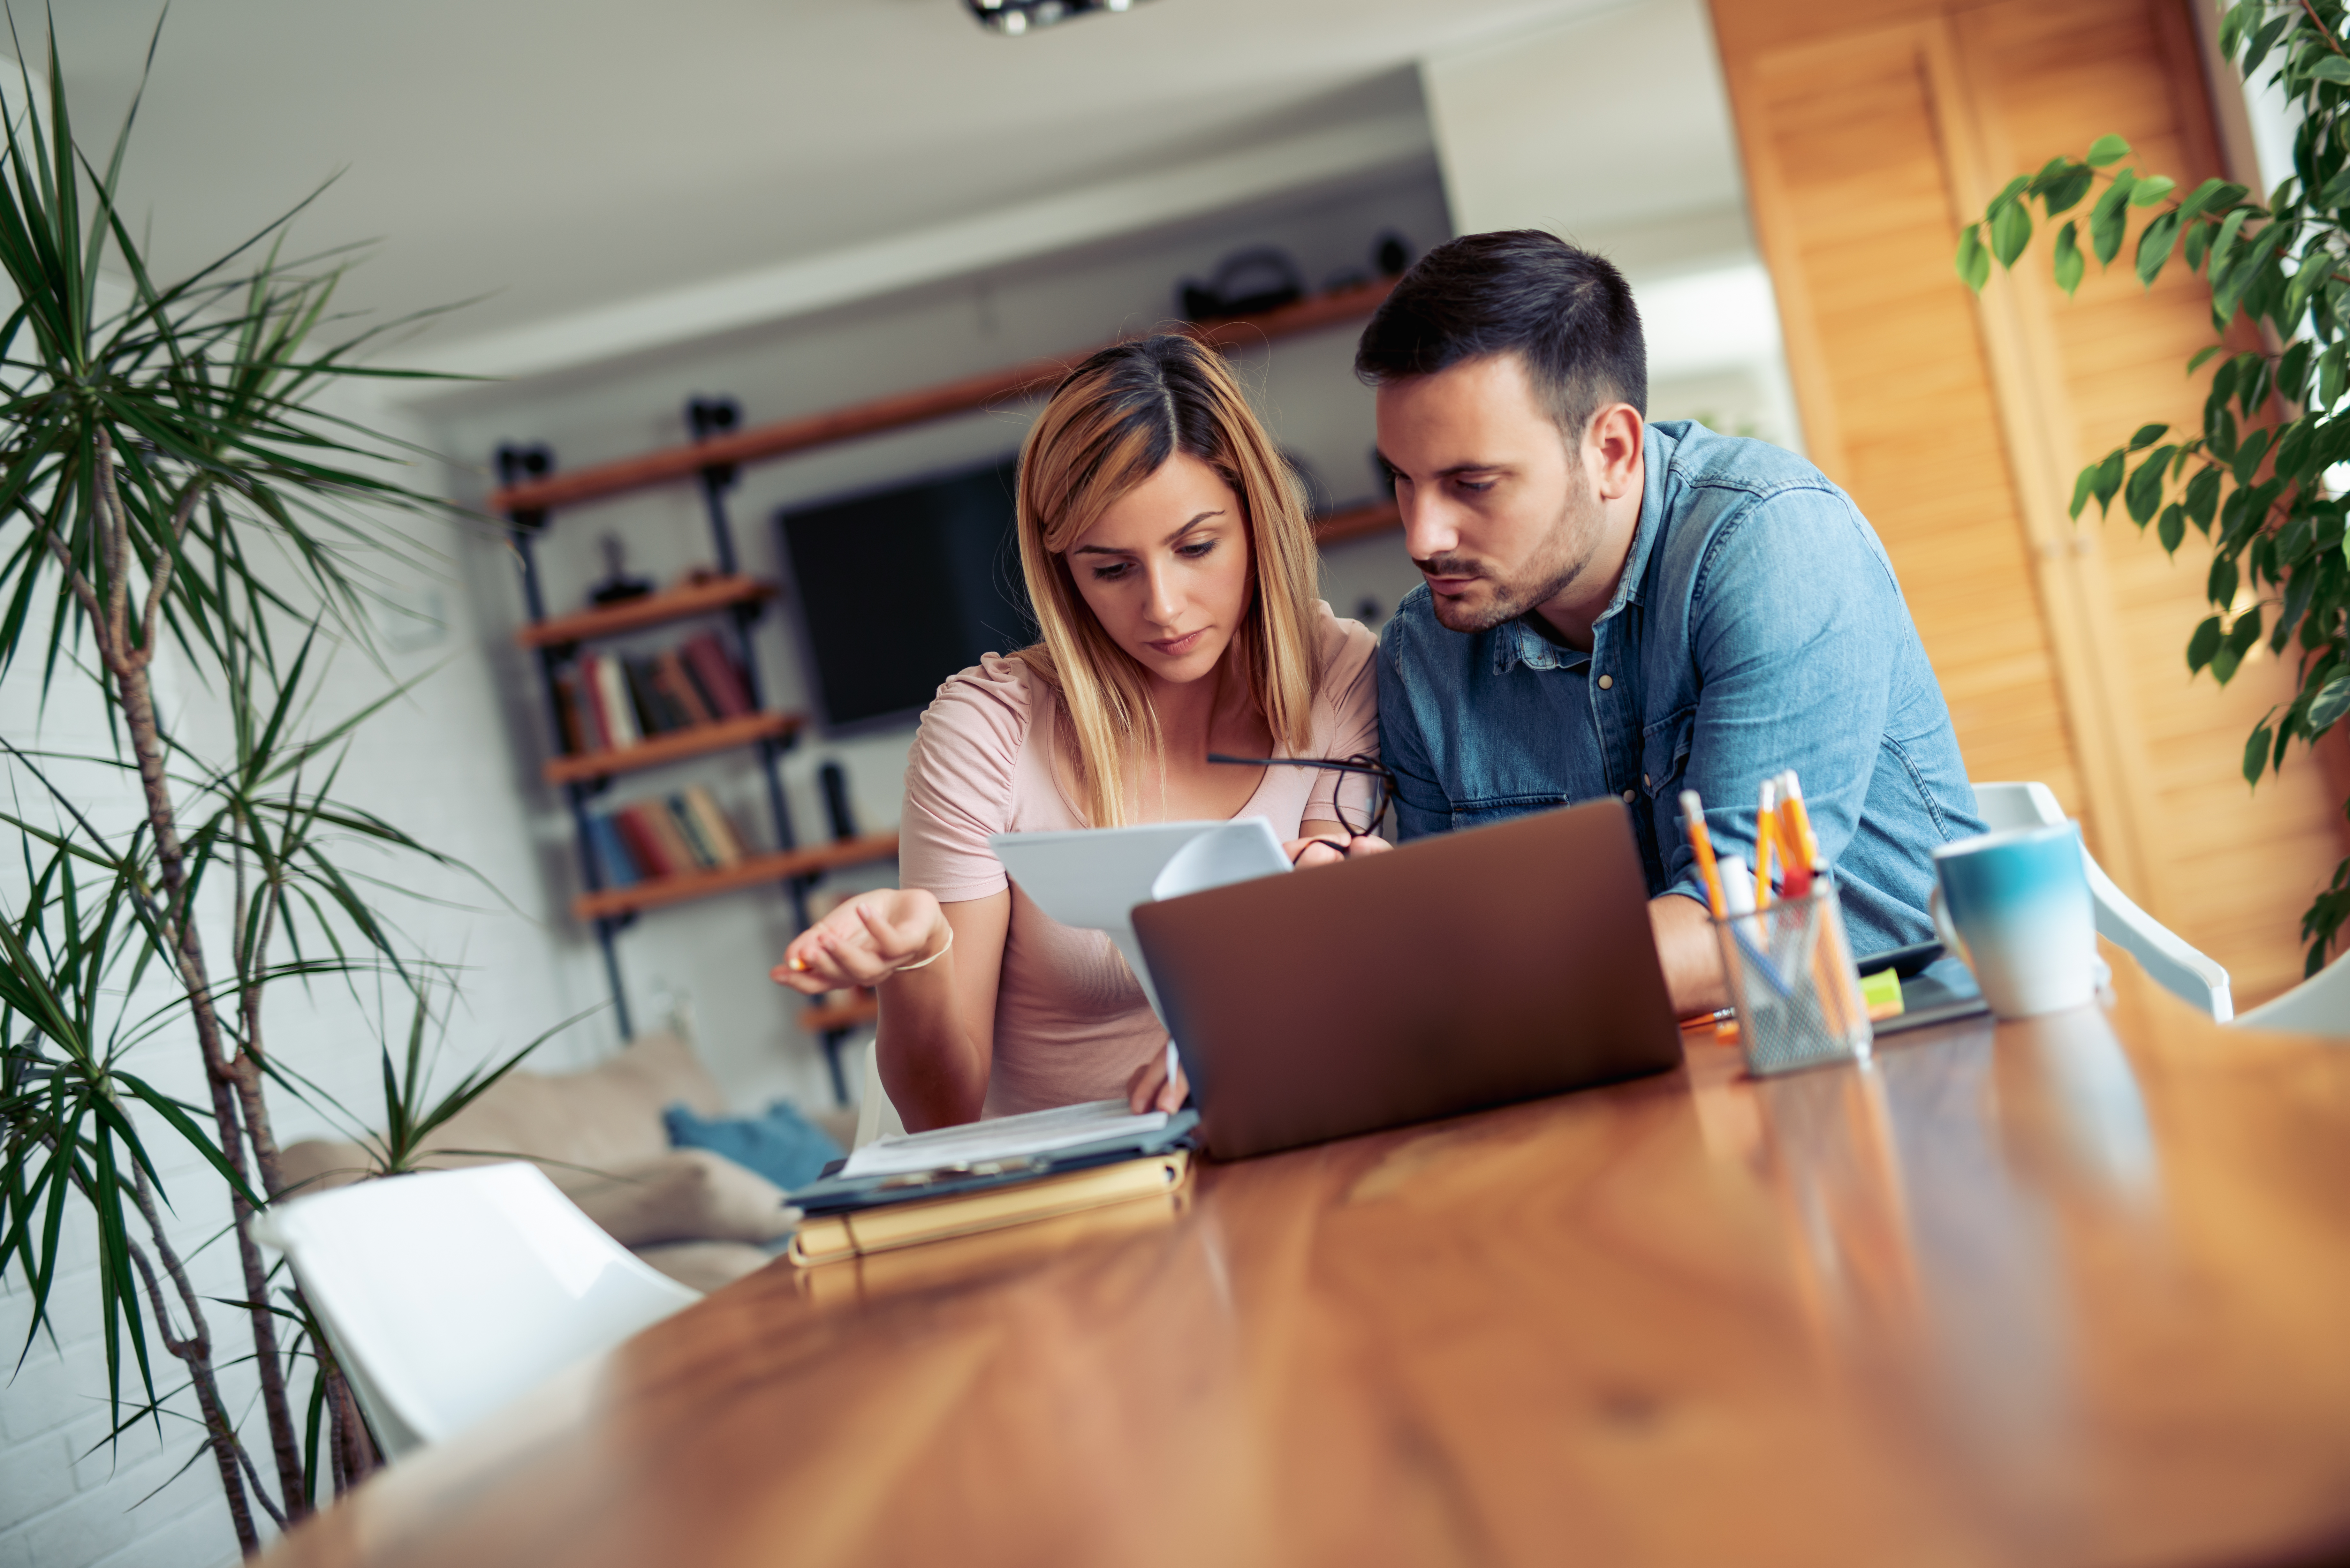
1882, 992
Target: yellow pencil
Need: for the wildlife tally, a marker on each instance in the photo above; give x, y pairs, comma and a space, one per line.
1701, 845
1765, 832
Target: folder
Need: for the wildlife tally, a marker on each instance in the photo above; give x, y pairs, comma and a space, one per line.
989, 1201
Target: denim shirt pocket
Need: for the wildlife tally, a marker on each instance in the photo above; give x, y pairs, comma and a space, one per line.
1500, 809
1664, 758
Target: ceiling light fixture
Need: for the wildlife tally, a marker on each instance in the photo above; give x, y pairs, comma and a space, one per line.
1014, 17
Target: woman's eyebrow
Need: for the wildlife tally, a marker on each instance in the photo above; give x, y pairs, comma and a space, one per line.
1107, 550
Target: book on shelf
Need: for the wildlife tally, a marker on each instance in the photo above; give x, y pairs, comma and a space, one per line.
664, 837
606, 703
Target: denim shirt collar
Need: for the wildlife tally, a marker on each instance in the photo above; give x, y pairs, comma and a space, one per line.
1516, 642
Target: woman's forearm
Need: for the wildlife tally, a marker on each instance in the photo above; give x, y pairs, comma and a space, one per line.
935, 1072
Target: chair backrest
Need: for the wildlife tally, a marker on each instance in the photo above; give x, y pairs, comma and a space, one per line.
2167, 958
2318, 1005
446, 1294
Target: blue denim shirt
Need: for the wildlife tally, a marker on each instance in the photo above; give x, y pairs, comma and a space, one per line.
1758, 627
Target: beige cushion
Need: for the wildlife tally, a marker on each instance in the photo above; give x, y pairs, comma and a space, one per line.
705, 1266
686, 1195
608, 1119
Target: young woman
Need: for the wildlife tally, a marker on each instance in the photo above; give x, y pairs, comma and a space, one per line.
1172, 568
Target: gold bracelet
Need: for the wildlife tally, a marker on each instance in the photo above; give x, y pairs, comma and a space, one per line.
945, 948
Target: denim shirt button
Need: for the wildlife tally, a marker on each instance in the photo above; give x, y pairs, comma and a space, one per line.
1628, 797
1606, 681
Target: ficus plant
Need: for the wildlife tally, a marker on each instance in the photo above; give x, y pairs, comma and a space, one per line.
170, 490
2262, 480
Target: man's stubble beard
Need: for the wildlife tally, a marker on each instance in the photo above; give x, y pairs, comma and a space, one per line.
1562, 559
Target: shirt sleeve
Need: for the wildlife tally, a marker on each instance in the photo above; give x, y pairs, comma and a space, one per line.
959, 783
1789, 624
1421, 807
1346, 710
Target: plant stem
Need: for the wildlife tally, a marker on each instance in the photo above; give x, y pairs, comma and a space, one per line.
241, 1119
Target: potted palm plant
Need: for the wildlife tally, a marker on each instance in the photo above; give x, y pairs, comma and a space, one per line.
162, 454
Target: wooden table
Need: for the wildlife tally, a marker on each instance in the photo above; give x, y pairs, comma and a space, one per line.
2077, 1292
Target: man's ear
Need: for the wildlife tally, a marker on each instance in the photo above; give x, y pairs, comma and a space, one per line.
1611, 445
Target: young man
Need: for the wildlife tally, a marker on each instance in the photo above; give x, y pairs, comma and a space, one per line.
1614, 608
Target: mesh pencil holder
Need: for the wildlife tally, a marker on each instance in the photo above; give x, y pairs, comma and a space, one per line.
1793, 983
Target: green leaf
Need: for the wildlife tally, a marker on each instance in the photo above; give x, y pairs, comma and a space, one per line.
2109, 477
2203, 498
1973, 262
2171, 528
2069, 262
2106, 150
2152, 188
2145, 436
2061, 184
2220, 587
2240, 16
2333, 375
2262, 41
2214, 195
2109, 219
2256, 752
2247, 464
2011, 230
2203, 357
2331, 68
2331, 702
2143, 494
2154, 247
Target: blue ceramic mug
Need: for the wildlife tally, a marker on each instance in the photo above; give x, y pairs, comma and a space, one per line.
2015, 906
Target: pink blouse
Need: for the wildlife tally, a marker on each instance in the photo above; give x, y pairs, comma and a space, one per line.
1070, 1019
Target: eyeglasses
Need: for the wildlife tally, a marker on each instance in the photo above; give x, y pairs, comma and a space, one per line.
1360, 801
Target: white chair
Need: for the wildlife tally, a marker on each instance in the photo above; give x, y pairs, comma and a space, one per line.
875, 1117
2176, 967
445, 1295
2318, 1005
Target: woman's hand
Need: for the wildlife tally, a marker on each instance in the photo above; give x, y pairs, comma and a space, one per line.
1149, 1088
864, 941
1329, 851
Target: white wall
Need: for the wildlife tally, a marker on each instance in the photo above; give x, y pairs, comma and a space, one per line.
1615, 131
437, 763
714, 954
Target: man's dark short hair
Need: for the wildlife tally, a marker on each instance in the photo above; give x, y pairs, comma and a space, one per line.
1566, 312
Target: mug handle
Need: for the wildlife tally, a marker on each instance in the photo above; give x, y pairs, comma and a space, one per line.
1938, 910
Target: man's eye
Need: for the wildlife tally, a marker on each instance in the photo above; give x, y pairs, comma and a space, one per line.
1478, 485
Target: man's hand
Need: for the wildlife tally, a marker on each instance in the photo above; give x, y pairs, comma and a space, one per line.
1688, 954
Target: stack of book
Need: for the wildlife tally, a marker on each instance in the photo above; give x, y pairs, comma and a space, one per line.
652, 838
607, 701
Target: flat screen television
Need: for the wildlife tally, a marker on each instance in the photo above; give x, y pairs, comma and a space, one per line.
900, 588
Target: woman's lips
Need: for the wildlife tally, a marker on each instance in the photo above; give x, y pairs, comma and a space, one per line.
1177, 647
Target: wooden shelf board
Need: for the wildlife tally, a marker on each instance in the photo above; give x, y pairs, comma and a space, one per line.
662, 891
674, 746
859, 1010
902, 408
1357, 523
635, 615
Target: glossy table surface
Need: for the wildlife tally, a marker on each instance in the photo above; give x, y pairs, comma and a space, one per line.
2075, 1290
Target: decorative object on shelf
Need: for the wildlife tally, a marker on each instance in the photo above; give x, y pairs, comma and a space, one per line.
618, 586
1391, 254
1247, 282
834, 780
1015, 18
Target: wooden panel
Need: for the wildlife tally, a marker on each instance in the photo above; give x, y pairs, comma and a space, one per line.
2071, 1294
1872, 130
2234, 868
780, 866
1852, 197
680, 603
675, 746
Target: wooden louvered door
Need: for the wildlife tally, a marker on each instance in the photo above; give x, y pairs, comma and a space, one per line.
1872, 131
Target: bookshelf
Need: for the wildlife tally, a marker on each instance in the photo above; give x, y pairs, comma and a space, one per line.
529, 491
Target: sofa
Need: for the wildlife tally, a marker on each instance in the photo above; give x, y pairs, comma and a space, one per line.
696, 1216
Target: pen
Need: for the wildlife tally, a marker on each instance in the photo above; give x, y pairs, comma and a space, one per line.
1170, 1061
1701, 845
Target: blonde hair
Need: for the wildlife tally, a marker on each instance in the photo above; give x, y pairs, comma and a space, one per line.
1110, 426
